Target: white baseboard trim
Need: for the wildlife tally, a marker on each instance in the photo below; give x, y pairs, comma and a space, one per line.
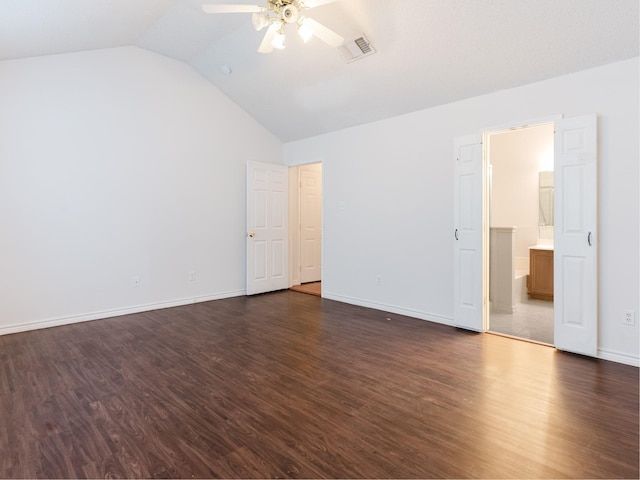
619, 357
602, 354
87, 317
430, 317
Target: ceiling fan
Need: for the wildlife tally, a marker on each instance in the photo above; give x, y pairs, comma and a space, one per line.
279, 13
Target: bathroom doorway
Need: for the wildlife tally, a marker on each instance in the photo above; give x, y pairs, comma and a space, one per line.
521, 162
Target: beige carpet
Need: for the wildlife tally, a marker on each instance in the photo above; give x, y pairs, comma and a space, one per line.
313, 288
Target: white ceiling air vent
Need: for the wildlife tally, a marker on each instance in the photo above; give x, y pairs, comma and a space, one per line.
357, 49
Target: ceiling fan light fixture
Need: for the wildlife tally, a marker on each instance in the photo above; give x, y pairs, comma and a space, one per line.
278, 40
304, 30
290, 14
260, 20
276, 15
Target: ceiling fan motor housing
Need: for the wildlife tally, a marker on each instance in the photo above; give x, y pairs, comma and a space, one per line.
290, 13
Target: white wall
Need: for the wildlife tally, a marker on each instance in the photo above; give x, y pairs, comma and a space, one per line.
114, 164
388, 197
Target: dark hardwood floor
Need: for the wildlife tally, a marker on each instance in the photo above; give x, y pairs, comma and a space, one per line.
291, 385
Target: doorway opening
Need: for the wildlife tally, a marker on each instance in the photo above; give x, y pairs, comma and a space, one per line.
575, 235
521, 232
305, 215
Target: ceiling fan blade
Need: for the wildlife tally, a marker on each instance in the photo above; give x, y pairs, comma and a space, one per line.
232, 8
323, 33
316, 3
265, 46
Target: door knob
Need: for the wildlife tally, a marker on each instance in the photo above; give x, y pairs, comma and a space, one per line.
252, 234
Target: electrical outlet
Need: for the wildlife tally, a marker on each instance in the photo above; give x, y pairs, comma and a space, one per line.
629, 317
378, 280
136, 281
192, 276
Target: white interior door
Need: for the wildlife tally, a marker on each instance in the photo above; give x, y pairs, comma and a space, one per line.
575, 235
310, 223
267, 228
468, 291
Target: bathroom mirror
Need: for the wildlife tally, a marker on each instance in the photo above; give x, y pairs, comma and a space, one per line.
545, 198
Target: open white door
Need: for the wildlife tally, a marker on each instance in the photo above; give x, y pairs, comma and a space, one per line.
267, 228
575, 236
310, 223
468, 234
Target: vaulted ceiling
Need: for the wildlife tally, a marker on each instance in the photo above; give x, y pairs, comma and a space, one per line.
429, 52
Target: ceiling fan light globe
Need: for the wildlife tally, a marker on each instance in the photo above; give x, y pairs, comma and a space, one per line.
305, 31
278, 41
260, 20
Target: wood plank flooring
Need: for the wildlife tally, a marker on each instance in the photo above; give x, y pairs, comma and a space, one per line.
290, 385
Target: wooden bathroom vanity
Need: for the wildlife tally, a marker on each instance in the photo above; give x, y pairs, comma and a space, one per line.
540, 278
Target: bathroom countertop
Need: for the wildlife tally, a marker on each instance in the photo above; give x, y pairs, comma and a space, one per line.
541, 247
